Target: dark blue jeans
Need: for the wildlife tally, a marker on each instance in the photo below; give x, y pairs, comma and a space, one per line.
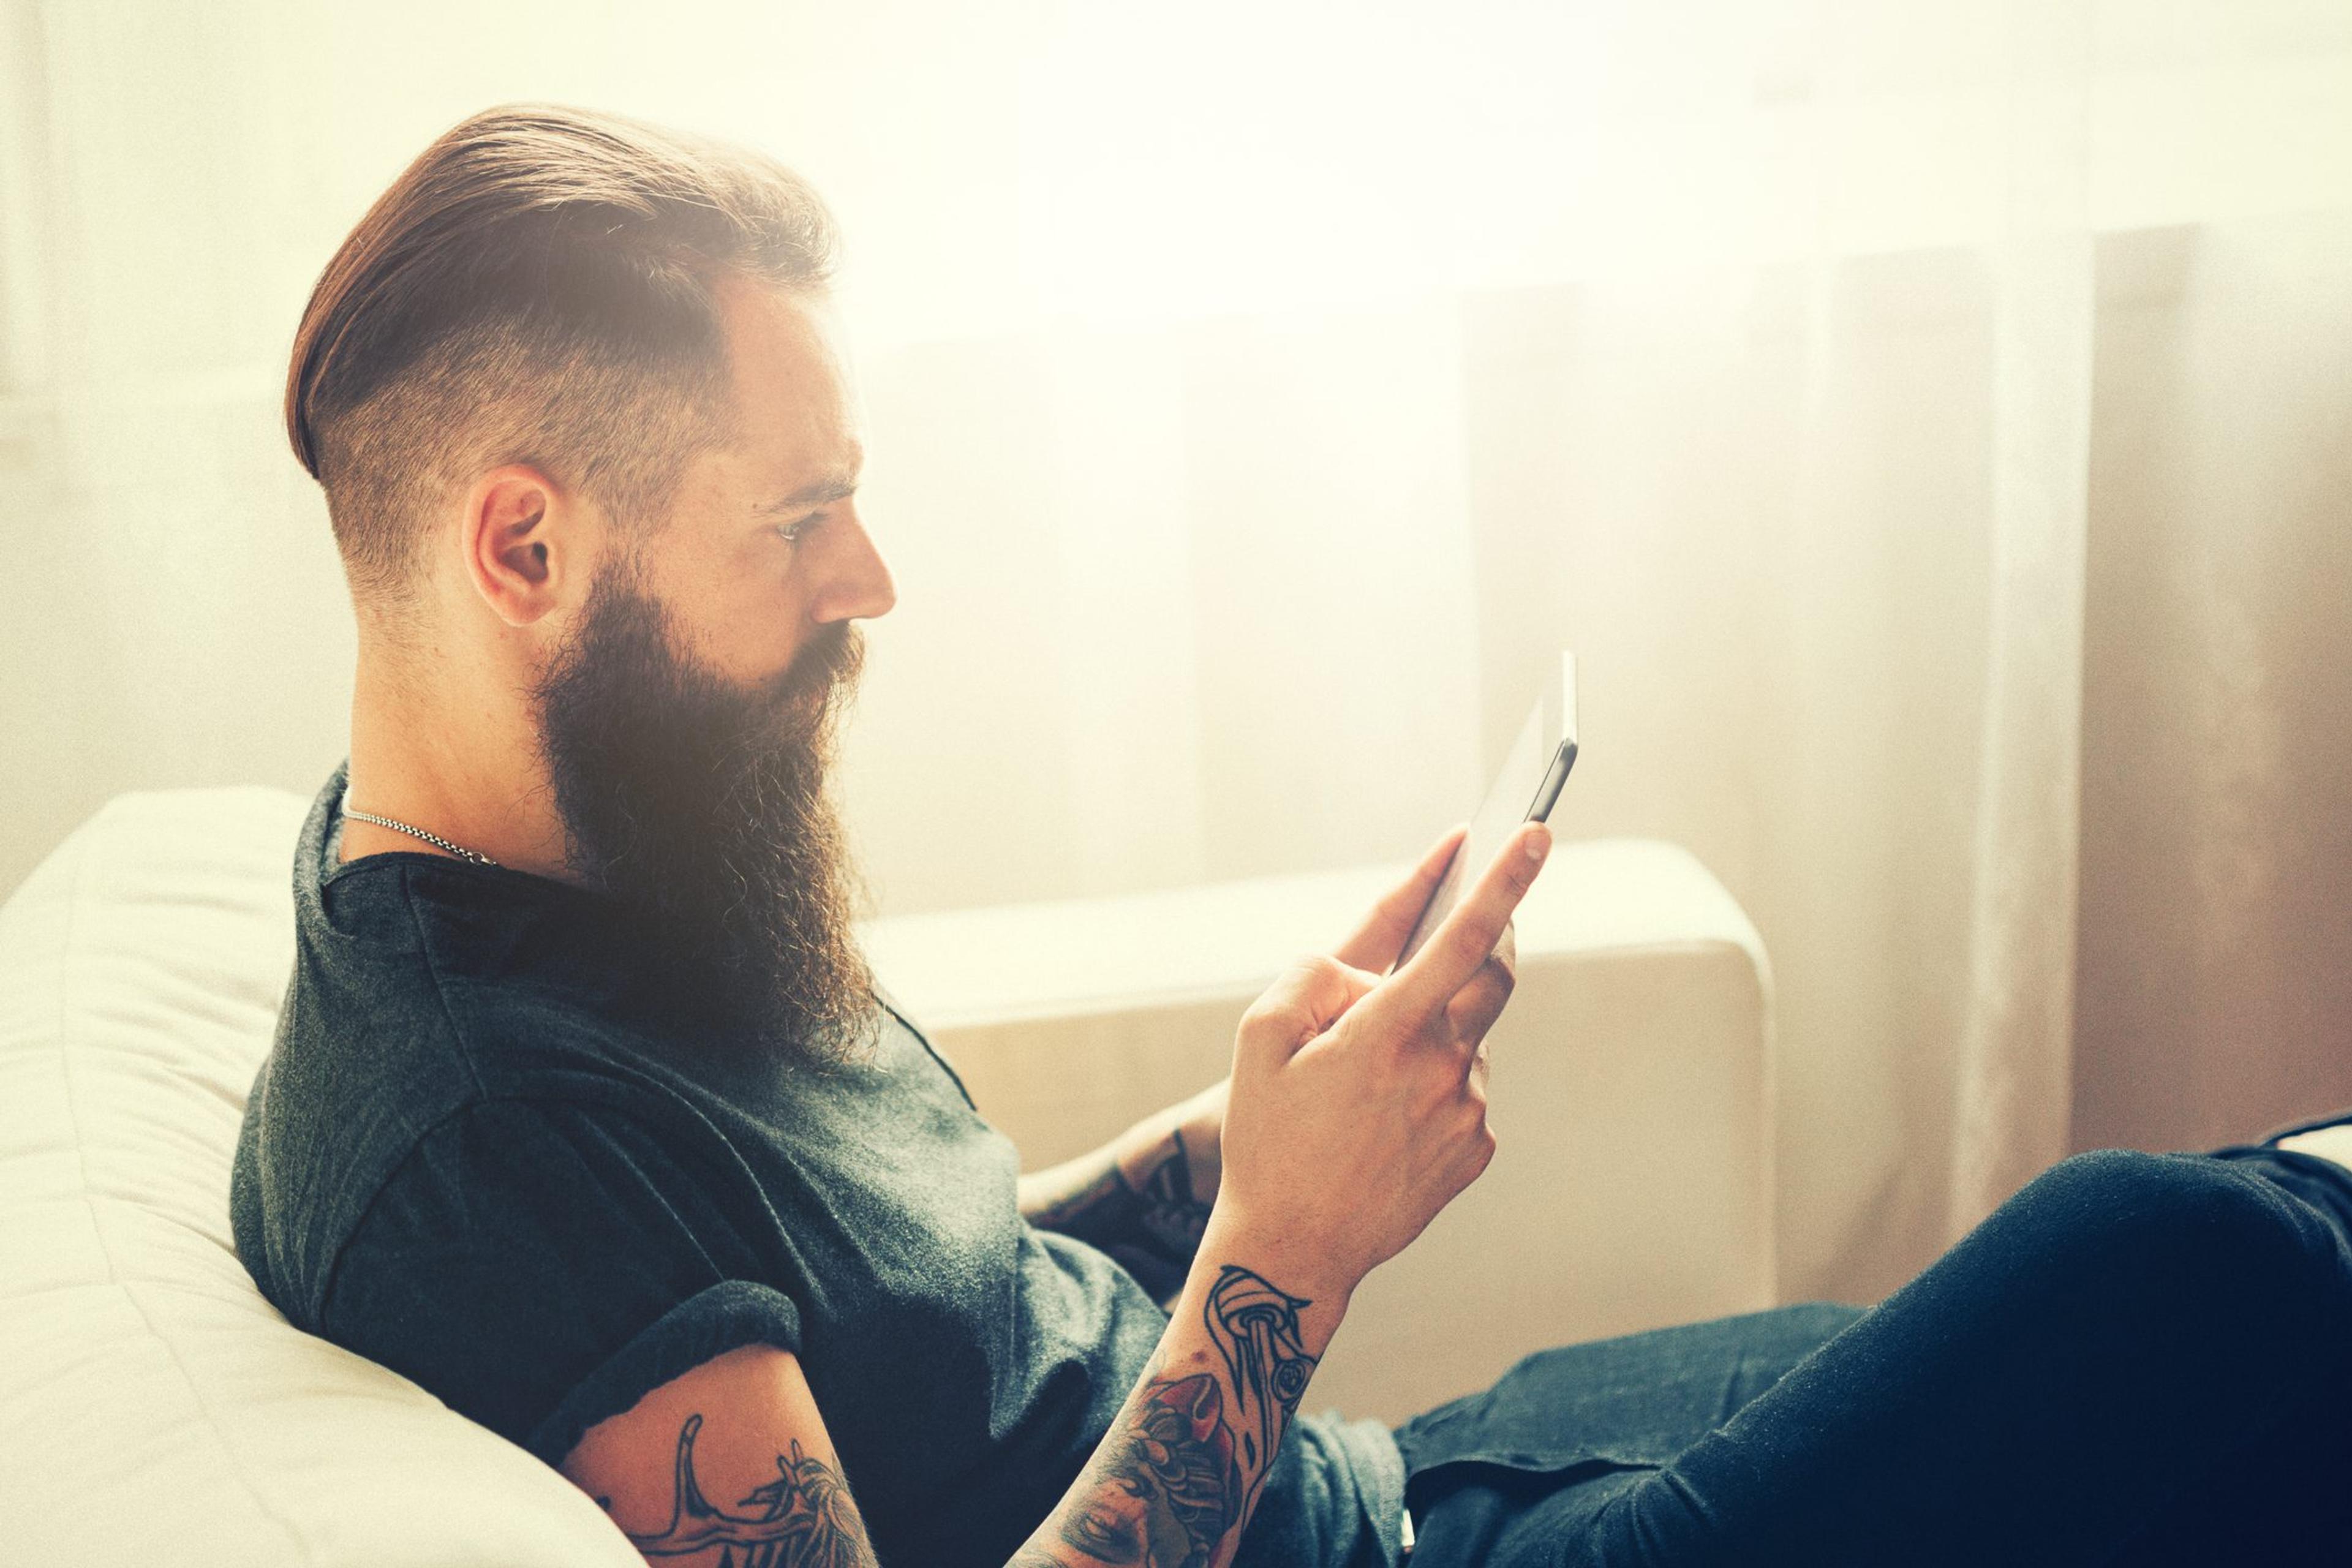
2140, 1359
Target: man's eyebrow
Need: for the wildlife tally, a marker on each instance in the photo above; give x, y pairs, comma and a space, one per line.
815, 494
837, 483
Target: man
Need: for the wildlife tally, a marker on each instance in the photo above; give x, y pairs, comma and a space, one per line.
585, 1114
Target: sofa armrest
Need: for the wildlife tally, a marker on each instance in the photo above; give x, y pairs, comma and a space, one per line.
1632, 1089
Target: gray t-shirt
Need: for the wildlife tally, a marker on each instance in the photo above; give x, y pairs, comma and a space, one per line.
490, 1152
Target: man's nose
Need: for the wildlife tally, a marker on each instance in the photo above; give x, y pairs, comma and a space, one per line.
858, 585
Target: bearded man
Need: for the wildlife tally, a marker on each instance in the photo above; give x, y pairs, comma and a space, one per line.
585, 1114
584, 1111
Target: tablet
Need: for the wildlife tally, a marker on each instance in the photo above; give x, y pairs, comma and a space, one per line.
1523, 791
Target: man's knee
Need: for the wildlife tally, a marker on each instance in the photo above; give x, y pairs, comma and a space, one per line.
2173, 1223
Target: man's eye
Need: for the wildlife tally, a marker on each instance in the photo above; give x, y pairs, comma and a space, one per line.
790, 532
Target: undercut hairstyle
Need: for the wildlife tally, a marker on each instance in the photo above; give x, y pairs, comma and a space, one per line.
540, 287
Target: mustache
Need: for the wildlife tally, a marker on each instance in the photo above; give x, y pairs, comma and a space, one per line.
826, 670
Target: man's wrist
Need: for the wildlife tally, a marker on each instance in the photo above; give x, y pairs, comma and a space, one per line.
1284, 1260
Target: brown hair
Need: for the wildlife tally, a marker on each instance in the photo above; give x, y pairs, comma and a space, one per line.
538, 286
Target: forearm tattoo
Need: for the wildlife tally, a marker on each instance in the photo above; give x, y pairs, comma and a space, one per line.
802, 1518
1255, 1327
1152, 1227
1181, 1470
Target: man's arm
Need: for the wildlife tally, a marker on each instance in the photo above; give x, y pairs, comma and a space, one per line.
1145, 1197
1174, 1481
727, 1464
731, 1466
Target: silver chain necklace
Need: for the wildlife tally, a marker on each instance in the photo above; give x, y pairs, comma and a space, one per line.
434, 838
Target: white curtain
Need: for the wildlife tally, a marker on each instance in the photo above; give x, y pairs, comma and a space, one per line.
1260, 393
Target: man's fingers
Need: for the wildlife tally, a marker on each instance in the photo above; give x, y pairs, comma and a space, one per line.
1478, 1005
1304, 1000
1506, 952
1455, 952
1376, 941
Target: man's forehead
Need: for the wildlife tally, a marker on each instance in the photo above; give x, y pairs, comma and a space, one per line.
791, 382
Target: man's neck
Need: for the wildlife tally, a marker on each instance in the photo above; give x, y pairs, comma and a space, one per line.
464, 772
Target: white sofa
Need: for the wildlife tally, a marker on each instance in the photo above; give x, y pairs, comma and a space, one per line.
154, 1409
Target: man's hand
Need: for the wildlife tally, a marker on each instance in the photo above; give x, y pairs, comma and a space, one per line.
1374, 945
1359, 1100
1146, 1198
1195, 1128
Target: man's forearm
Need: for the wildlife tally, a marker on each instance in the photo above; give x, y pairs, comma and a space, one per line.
1172, 1483
1136, 1198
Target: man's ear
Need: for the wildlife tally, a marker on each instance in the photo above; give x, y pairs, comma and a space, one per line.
526, 543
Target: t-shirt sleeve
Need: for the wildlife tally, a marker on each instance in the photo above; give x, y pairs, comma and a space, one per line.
541, 1264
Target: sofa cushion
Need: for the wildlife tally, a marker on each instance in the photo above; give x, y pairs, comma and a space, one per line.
153, 1407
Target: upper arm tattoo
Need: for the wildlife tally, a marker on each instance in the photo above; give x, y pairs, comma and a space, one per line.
802, 1518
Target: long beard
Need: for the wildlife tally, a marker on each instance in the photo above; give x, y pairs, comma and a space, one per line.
703, 812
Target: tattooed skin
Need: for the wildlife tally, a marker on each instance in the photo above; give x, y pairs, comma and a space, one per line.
803, 1518
1151, 1227
1172, 1479
1172, 1217
1089, 1208
1175, 1488
1180, 1471
1255, 1327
